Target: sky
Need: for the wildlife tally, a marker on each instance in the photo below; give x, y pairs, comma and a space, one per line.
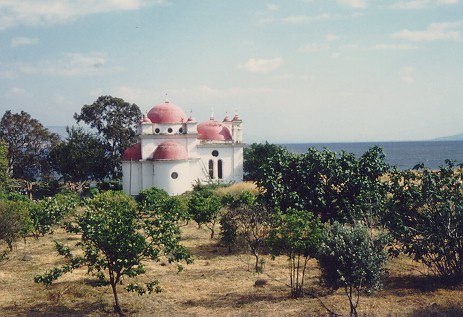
294, 70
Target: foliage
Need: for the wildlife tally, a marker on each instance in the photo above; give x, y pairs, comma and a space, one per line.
82, 157
4, 177
333, 187
50, 211
257, 163
115, 121
204, 206
426, 217
246, 219
14, 221
28, 145
115, 241
155, 201
151, 199
351, 258
298, 235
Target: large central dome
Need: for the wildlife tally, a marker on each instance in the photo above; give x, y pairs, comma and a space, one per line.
166, 113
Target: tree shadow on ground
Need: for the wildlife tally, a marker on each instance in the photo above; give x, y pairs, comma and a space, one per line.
232, 300
436, 310
59, 310
422, 283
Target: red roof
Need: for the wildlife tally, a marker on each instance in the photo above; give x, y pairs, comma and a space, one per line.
213, 130
133, 153
170, 150
166, 113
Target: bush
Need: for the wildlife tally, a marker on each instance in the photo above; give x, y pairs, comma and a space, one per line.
425, 216
14, 221
48, 212
298, 235
351, 258
247, 220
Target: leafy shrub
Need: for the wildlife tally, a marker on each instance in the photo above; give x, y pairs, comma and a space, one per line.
14, 221
425, 216
351, 258
298, 235
204, 206
48, 212
116, 242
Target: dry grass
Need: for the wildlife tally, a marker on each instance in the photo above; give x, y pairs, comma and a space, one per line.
217, 284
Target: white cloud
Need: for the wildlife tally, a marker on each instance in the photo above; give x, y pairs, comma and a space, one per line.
20, 41
272, 7
421, 4
332, 37
407, 75
393, 47
15, 92
413, 4
434, 32
298, 19
255, 65
313, 47
46, 12
448, 1
360, 4
71, 65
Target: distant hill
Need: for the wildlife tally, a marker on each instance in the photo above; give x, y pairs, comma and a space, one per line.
457, 137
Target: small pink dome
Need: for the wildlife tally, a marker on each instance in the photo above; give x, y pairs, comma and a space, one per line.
133, 153
226, 119
170, 150
213, 130
145, 120
236, 118
166, 113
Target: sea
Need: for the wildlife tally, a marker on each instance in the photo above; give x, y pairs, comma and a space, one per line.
403, 155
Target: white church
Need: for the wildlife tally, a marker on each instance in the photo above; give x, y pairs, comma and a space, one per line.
173, 152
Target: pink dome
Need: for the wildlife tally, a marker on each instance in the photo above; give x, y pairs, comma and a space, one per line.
226, 119
166, 113
133, 153
145, 120
213, 130
170, 150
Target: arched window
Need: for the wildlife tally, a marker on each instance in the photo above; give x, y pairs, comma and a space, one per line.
219, 167
211, 169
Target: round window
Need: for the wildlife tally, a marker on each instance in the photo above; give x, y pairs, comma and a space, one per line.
169, 130
180, 130
174, 175
157, 130
215, 153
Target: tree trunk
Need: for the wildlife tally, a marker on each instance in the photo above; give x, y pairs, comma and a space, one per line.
117, 307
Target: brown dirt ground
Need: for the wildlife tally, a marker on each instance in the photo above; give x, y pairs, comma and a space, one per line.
216, 284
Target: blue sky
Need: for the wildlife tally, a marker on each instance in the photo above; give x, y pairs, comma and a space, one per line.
294, 70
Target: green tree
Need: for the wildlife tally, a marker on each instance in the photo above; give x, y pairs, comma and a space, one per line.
50, 211
14, 221
248, 220
81, 157
351, 258
116, 240
334, 187
28, 145
425, 216
204, 205
259, 158
155, 201
115, 121
298, 235
4, 177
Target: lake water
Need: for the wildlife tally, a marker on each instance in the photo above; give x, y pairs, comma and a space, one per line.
404, 155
